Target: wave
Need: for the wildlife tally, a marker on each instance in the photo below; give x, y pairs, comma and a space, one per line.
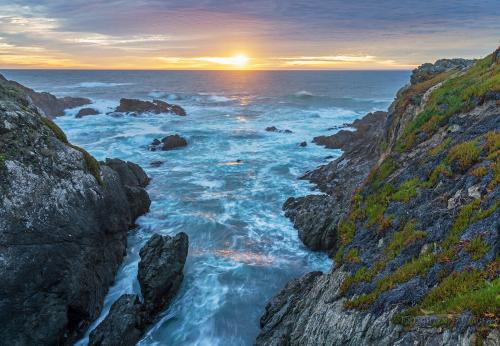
97, 85
303, 94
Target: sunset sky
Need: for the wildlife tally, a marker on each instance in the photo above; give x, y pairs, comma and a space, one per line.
258, 34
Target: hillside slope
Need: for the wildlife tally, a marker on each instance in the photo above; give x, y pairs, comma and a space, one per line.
416, 244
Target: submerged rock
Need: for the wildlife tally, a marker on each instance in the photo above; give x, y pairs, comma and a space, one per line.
160, 275
50, 105
64, 219
275, 129
155, 106
86, 112
303, 144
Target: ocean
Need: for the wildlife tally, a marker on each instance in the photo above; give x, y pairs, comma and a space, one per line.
227, 187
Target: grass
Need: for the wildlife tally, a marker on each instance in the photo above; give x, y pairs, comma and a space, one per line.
378, 175
402, 239
496, 175
477, 248
440, 147
363, 274
346, 231
441, 169
376, 203
456, 94
458, 292
90, 162
353, 256
492, 141
479, 172
406, 191
465, 154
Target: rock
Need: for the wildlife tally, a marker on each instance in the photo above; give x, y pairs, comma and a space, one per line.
123, 326
427, 71
155, 107
86, 112
160, 269
168, 143
63, 224
474, 192
275, 129
160, 275
156, 163
50, 105
303, 144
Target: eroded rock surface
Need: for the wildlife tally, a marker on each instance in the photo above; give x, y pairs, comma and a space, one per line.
160, 275
63, 226
155, 107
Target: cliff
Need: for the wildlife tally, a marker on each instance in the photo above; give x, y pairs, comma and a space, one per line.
410, 214
64, 219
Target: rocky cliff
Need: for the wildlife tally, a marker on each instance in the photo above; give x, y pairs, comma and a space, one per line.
410, 214
64, 219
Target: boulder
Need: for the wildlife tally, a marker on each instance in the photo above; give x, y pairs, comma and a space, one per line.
168, 143
86, 112
275, 129
156, 107
160, 275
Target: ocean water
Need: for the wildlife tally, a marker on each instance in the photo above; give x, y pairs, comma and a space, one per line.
242, 249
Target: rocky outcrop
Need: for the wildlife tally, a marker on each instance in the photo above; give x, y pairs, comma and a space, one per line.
86, 112
168, 143
64, 219
416, 241
50, 105
160, 275
427, 71
156, 107
316, 216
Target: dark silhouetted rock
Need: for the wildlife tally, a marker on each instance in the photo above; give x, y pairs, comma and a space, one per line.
157, 163
303, 144
86, 112
275, 129
155, 107
168, 143
160, 275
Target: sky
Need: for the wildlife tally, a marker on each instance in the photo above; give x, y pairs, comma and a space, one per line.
252, 34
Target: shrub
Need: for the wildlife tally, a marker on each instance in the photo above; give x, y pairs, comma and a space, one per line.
401, 239
353, 256
492, 141
346, 231
440, 147
440, 169
496, 175
479, 172
55, 129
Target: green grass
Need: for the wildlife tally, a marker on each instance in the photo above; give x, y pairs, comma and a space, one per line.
346, 231
465, 154
457, 94
406, 190
441, 169
496, 175
353, 256
363, 274
492, 141
377, 176
376, 203
480, 171
477, 248
458, 292
58, 132
402, 239
440, 147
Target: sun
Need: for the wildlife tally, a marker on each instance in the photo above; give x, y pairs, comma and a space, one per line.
239, 60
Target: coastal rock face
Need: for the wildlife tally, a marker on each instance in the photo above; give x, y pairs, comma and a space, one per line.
316, 216
50, 105
155, 107
160, 275
416, 247
63, 226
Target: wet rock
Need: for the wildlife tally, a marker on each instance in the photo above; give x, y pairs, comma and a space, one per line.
275, 129
168, 143
156, 107
86, 112
157, 163
160, 275
160, 269
50, 105
123, 326
66, 230
303, 144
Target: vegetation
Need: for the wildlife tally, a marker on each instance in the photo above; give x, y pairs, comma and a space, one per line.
402, 239
479, 172
465, 154
440, 147
58, 132
457, 94
406, 190
496, 175
353, 256
477, 248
